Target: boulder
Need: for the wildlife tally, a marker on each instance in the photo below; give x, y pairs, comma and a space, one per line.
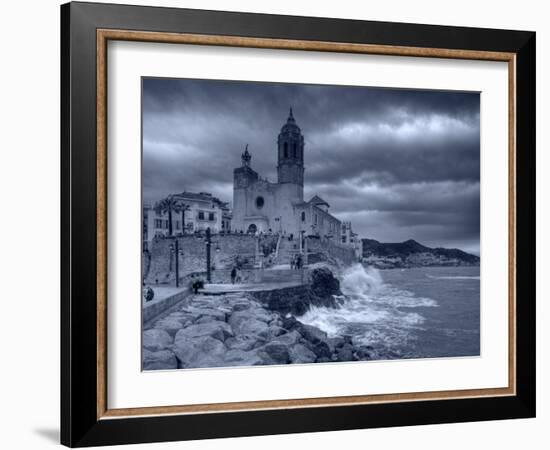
300, 354
289, 339
313, 334
277, 353
170, 325
241, 305
320, 348
345, 353
324, 359
214, 313
214, 328
184, 318
161, 360
245, 323
242, 358
260, 313
290, 323
294, 300
362, 353
324, 283
201, 351
335, 343
156, 339
243, 342
271, 332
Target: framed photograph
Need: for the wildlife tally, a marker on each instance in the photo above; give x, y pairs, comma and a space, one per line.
276, 224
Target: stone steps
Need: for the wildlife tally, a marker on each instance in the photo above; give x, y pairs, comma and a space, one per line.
286, 251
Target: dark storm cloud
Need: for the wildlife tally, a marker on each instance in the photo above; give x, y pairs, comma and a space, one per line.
399, 163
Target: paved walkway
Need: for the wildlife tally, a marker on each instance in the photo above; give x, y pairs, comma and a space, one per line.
219, 289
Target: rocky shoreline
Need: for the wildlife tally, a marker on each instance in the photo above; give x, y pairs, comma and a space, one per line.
242, 330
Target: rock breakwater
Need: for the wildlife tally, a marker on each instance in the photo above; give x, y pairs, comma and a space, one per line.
238, 330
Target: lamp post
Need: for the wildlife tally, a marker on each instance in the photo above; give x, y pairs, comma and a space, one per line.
208, 255
174, 249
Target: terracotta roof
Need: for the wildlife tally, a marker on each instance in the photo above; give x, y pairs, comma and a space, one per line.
316, 200
201, 196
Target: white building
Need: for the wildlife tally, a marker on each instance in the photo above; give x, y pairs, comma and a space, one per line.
260, 205
197, 212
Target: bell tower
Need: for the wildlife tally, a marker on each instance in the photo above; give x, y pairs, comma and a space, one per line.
290, 145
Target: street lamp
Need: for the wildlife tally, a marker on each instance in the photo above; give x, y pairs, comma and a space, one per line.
174, 249
209, 243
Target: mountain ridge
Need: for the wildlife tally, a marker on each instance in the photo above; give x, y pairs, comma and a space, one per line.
410, 253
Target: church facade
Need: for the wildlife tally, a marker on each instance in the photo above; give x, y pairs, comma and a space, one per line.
263, 206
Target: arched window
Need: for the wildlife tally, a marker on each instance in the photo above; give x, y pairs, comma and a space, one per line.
294, 150
303, 216
285, 150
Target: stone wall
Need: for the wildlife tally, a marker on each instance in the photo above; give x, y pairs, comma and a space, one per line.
235, 249
153, 310
325, 247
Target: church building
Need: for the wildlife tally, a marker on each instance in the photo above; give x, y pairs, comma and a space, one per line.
260, 205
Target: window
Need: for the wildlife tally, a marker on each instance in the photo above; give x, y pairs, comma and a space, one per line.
294, 150
286, 150
177, 224
315, 219
158, 223
259, 202
166, 224
303, 216
211, 217
343, 239
201, 215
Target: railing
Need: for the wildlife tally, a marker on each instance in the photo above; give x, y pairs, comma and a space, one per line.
278, 245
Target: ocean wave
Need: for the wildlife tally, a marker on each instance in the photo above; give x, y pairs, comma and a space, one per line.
372, 310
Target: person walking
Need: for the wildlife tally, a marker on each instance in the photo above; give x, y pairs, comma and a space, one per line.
233, 275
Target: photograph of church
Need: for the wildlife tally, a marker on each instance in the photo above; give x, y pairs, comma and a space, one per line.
261, 205
289, 223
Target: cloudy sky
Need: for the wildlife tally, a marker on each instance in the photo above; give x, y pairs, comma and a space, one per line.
400, 164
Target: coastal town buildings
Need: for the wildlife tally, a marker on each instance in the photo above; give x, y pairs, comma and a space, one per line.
352, 239
196, 212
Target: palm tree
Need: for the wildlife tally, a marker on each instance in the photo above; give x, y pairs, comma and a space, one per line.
167, 205
182, 207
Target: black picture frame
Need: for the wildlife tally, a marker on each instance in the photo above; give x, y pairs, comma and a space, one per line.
80, 425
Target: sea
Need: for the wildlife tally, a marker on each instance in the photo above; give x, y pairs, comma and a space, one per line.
428, 312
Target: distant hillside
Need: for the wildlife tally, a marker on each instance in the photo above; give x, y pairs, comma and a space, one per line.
412, 254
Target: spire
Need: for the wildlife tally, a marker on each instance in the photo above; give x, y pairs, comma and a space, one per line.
290, 117
246, 157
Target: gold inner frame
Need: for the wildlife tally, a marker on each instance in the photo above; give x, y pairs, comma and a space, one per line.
104, 35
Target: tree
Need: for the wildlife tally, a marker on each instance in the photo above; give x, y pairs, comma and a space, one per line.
182, 208
167, 205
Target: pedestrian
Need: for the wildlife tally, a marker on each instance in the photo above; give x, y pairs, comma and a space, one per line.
233, 274
148, 293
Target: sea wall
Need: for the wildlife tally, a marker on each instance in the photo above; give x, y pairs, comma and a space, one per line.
322, 289
323, 249
234, 249
154, 309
